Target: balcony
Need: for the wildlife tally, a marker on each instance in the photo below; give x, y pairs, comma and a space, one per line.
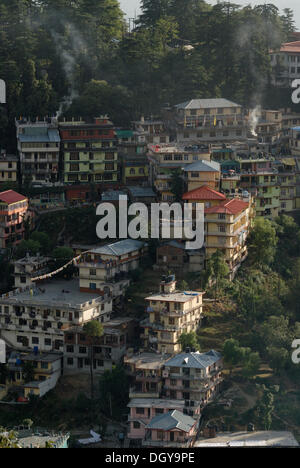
138, 393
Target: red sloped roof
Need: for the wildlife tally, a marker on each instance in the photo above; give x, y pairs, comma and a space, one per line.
10, 196
233, 206
203, 193
289, 47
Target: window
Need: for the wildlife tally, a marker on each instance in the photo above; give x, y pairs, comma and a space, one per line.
70, 349
82, 350
35, 340
47, 342
44, 365
93, 271
74, 156
136, 425
222, 216
140, 411
70, 361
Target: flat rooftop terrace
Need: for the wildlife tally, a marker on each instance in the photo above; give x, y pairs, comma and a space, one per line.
53, 292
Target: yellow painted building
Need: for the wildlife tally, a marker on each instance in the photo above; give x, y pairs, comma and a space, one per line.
202, 173
227, 227
8, 168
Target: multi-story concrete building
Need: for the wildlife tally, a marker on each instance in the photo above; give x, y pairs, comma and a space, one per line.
146, 371
108, 350
269, 129
202, 173
209, 121
37, 316
47, 369
29, 267
172, 429
13, 214
285, 64
260, 177
89, 151
106, 268
294, 141
8, 168
174, 255
132, 151
38, 147
193, 377
143, 410
153, 130
185, 382
165, 159
287, 180
227, 226
170, 313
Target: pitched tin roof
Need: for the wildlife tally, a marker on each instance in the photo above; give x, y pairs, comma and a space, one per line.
233, 206
10, 196
206, 103
172, 420
194, 360
202, 166
119, 248
203, 193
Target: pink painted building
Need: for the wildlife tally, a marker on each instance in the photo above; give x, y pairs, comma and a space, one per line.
172, 429
143, 410
185, 382
13, 212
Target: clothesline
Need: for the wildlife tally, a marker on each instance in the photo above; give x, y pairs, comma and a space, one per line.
74, 261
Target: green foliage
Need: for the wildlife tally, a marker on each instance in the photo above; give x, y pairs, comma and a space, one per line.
8, 439
93, 329
114, 388
262, 242
235, 355
81, 48
32, 247
189, 340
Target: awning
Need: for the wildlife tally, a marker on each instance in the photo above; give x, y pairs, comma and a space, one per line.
289, 161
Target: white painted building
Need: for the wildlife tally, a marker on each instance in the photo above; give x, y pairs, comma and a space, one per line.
38, 316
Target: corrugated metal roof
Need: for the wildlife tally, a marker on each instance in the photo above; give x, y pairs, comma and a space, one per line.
172, 420
202, 166
206, 103
194, 360
203, 193
39, 135
141, 191
119, 248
